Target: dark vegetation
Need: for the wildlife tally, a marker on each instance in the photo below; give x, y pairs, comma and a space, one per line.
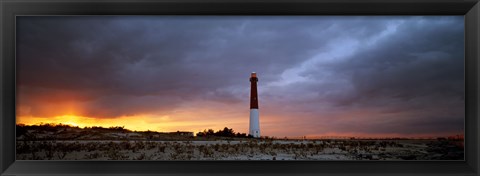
22, 129
226, 132
66, 132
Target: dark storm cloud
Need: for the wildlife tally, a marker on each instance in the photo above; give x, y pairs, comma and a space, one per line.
405, 66
186, 57
402, 68
416, 73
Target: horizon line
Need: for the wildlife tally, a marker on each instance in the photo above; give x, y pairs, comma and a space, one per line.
306, 137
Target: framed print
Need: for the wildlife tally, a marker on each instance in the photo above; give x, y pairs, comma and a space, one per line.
254, 87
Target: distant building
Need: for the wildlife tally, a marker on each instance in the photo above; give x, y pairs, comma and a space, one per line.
182, 133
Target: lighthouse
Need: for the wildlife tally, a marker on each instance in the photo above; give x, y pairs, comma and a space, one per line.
254, 129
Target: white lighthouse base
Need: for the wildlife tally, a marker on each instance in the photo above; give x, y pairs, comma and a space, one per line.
254, 129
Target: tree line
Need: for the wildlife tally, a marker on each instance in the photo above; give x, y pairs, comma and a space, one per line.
226, 132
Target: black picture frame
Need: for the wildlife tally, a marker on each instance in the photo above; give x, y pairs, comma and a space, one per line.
12, 8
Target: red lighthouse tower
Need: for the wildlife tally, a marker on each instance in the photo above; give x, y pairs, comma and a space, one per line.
254, 129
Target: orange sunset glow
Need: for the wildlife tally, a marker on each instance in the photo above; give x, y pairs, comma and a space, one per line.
178, 121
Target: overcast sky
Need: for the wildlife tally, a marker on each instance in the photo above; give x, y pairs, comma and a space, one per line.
319, 75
